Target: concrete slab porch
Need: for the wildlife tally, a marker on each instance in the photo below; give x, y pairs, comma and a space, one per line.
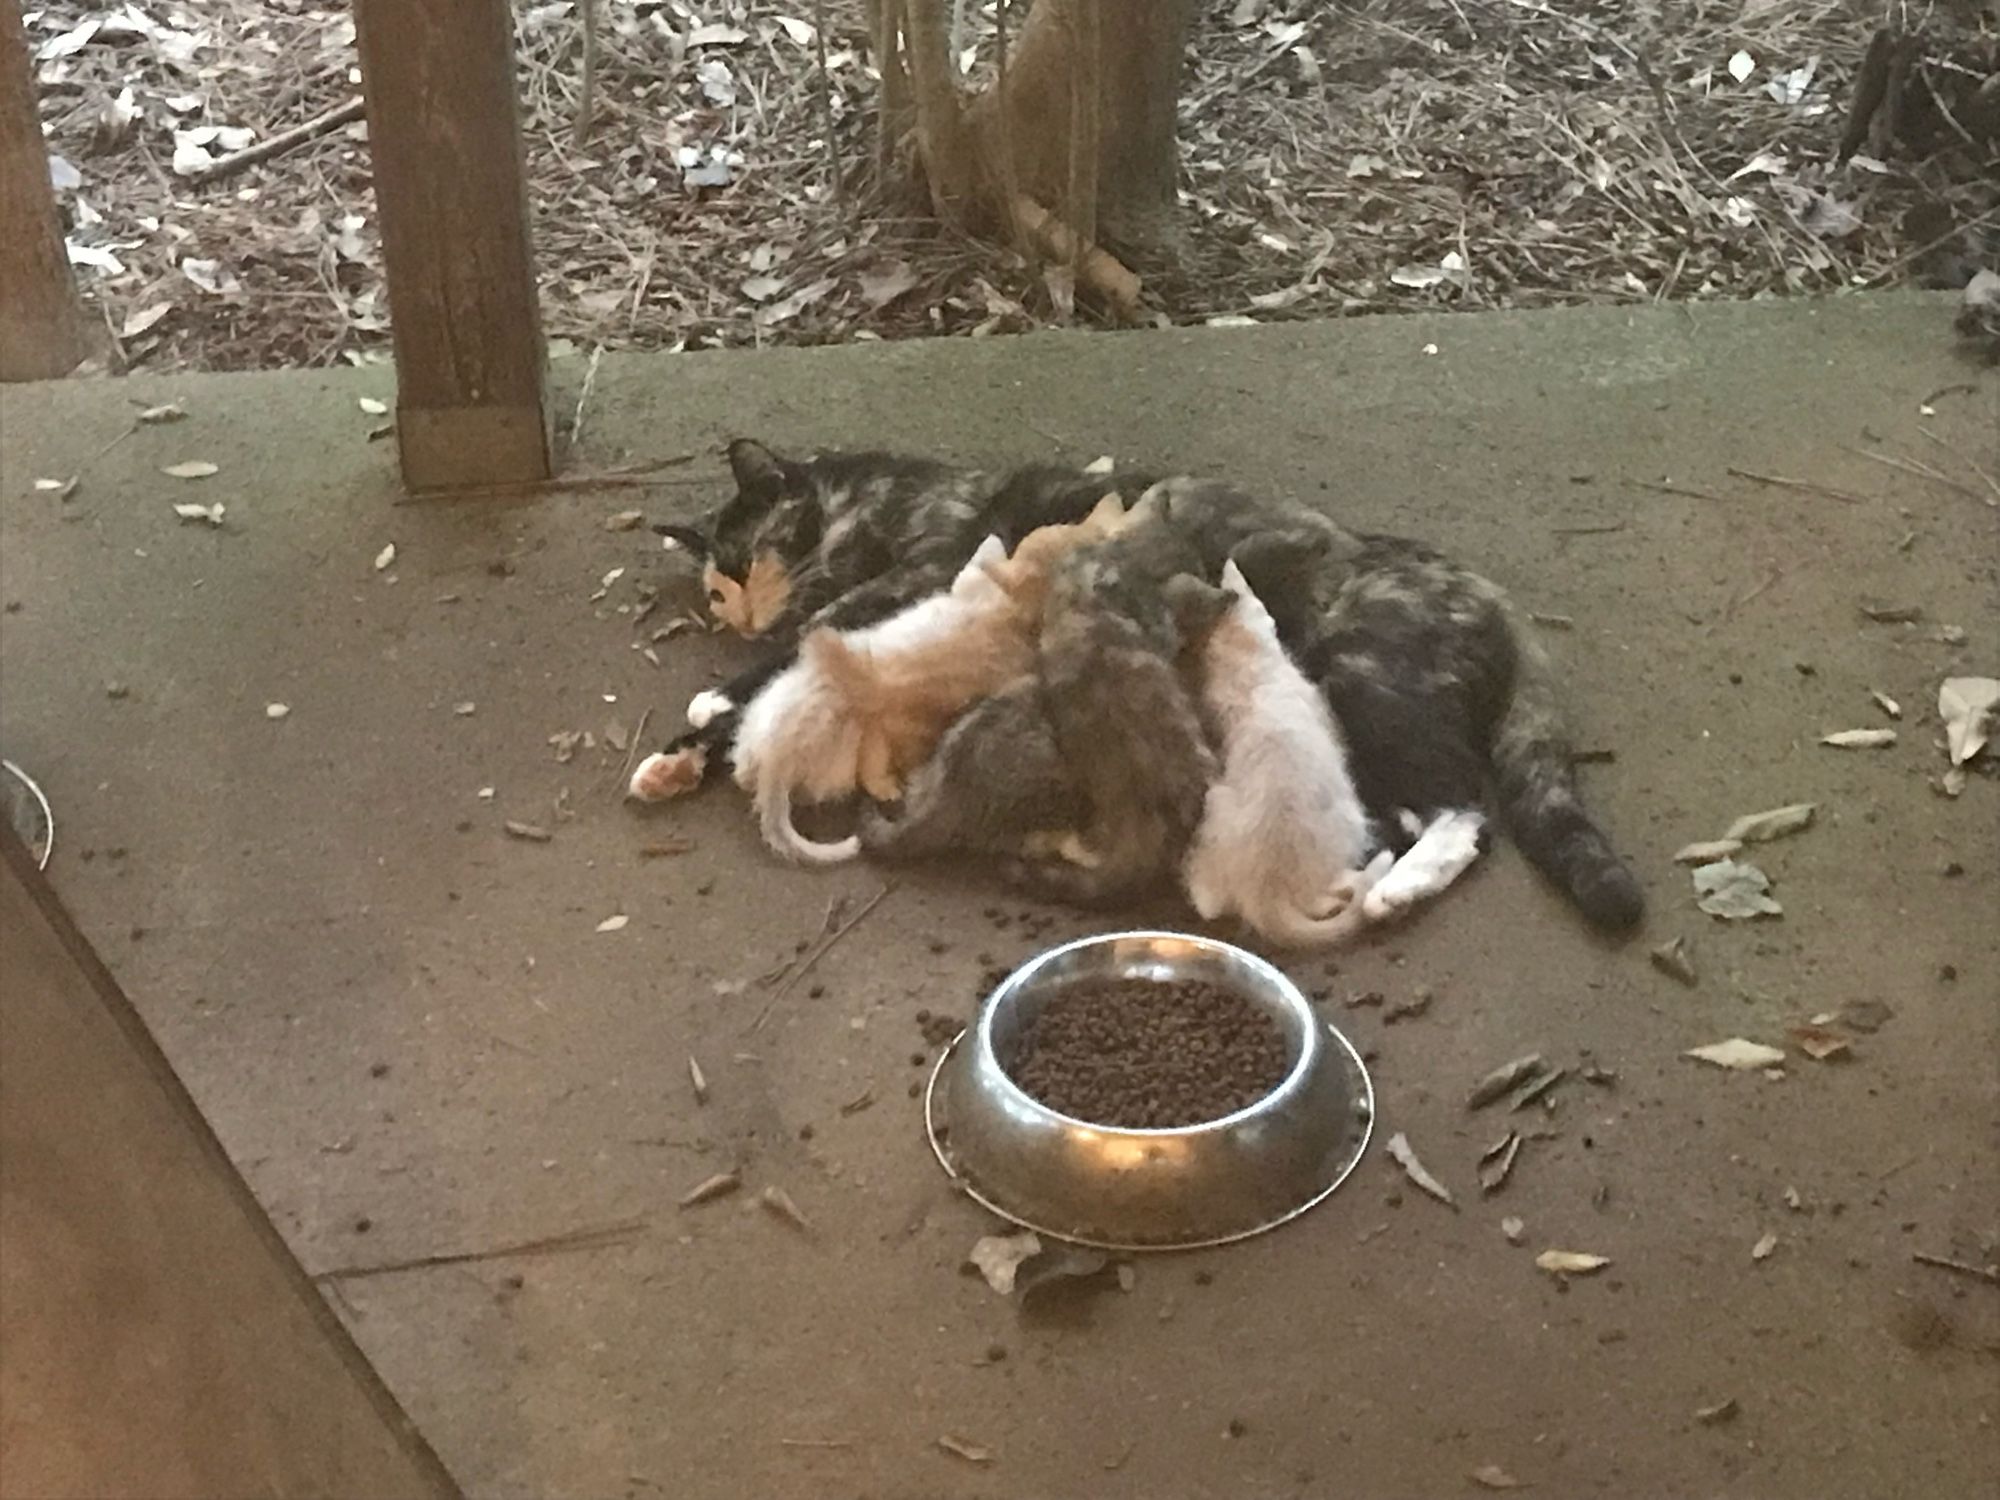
407, 1029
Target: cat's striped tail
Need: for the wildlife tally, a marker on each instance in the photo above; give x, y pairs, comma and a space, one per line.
774, 816
1540, 802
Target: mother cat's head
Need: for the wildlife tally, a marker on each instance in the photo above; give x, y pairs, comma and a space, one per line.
752, 548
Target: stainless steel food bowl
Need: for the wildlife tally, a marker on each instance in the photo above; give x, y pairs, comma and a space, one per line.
1124, 1189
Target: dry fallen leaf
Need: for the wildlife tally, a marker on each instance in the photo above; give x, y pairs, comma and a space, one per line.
1722, 1411
276, 710
624, 520
1673, 959
698, 1080
1887, 704
386, 556
1762, 827
62, 489
779, 1204
144, 318
1513, 1228
999, 1256
1502, 1079
972, 1453
1735, 891
1399, 1148
1493, 1477
1498, 1161
1820, 1042
886, 282
1860, 739
1571, 1262
1737, 1053
158, 416
212, 514
1967, 706
1765, 1245
534, 833
373, 407
193, 468
466, 709
613, 924
1706, 852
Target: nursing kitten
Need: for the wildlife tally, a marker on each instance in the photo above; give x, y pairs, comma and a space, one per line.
1283, 841
1123, 720
998, 786
865, 707
844, 540
1439, 687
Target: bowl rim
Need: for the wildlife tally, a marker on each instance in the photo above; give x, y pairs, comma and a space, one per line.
1306, 1024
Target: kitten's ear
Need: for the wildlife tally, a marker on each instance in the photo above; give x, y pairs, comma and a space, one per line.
691, 537
991, 551
1196, 606
1107, 513
1281, 564
1233, 581
758, 470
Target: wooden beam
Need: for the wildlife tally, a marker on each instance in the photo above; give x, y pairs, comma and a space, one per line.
41, 323
444, 132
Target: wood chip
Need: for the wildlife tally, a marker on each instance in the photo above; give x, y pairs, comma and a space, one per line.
1737, 1053
1722, 1411
1765, 1245
710, 1188
613, 923
385, 557
697, 1078
1513, 1228
1493, 1477
1706, 852
1860, 739
534, 833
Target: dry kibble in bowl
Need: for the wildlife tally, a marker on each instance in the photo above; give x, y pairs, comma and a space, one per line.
1146, 1054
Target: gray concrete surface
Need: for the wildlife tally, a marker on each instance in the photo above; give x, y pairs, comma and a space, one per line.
392, 1012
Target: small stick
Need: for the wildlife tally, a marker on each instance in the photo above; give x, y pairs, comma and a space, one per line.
583, 400
826, 104
1588, 530
632, 749
283, 141
1778, 481
779, 1202
586, 99
785, 1442
577, 1239
1664, 488
1962, 1268
1991, 483
821, 952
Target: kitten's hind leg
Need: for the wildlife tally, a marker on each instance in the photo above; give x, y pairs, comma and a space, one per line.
1445, 851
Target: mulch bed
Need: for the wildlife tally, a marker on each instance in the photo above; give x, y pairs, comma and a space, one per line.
1384, 155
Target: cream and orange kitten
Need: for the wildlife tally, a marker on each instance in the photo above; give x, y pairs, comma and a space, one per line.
861, 709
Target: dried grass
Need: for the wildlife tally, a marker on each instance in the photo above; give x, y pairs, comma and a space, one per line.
1338, 158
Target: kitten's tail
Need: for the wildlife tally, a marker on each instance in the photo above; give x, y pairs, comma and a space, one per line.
774, 814
1539, 797
1289, 927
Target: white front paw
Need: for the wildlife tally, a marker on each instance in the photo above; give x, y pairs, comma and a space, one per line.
707, 706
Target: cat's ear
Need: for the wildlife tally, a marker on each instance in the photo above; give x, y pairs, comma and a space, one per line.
1281, 564
1196, 606
990, 552
693, 538
758, 470
1233, 581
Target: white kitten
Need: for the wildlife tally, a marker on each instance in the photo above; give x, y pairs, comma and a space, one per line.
1283, 841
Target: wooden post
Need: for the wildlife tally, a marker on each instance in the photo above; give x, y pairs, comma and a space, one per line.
444, 132
41, 324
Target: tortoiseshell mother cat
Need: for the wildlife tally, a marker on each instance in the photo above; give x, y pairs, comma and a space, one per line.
1433, 674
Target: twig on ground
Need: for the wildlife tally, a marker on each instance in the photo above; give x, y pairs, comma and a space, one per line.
583, 400
1959, 1267
601, 1237
1914, 466
826, 947
1965, 458
1806, 486
785, 1442
283, 141
631, 752
1665, 487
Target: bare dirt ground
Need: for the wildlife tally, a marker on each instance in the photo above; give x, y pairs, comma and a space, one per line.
410, 1031
1377, 155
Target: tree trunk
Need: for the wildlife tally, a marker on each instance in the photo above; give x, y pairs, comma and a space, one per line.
1116, 60
1074, 148
41, 324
